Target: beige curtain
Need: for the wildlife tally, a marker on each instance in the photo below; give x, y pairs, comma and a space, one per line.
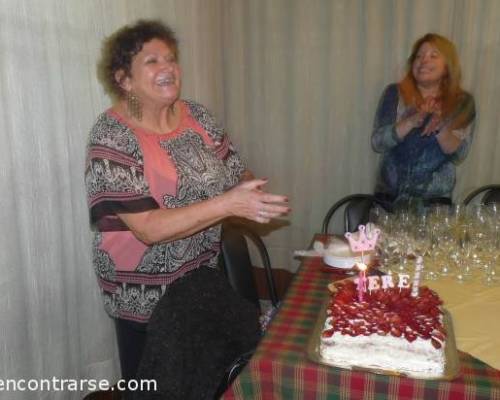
52, 318
295, 82
302, 80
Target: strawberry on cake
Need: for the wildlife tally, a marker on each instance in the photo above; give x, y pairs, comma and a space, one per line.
388, 330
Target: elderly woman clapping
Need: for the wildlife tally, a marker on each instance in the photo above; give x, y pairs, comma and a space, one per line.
161, 175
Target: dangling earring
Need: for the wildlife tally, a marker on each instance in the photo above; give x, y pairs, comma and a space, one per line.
134, 106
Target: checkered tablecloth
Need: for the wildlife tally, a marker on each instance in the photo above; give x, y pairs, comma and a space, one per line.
281, 369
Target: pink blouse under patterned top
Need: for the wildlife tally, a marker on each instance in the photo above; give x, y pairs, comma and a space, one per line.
131, 170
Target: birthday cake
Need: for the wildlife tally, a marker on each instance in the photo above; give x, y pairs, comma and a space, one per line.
393, 328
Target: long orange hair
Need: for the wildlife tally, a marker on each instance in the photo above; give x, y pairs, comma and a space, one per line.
451, 92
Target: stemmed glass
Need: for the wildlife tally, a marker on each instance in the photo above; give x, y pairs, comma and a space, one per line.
387, 248
422, 245
480, 243
457, 240
491, 245
439, 214
403, 237
462, 261
444, 252
490, 275
421, 240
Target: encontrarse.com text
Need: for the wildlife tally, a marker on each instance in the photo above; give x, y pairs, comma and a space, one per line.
75, 385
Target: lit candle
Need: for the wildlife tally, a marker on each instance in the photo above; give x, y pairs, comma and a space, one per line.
361, 280
419, 266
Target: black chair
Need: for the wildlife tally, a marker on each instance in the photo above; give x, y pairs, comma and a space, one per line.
232, 372
490, 194
493, 196
356, 211
237, 265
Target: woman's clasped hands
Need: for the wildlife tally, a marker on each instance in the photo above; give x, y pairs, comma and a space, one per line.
431, 106
249, 200
417, 116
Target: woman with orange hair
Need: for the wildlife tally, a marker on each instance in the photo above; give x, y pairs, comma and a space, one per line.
423, 126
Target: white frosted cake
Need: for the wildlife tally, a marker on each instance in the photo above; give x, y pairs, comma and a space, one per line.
389, 330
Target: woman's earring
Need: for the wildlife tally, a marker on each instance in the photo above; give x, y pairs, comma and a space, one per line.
134, 106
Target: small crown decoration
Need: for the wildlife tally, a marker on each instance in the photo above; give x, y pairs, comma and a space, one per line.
363, 243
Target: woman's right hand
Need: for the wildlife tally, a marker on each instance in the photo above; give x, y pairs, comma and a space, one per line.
414, 120
248, 200
432, 107
416, 117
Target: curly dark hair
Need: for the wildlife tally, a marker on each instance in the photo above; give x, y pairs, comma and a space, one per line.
119, 49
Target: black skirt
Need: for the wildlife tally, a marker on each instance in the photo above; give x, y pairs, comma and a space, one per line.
199, 327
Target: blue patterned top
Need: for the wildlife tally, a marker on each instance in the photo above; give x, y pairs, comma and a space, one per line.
415, 166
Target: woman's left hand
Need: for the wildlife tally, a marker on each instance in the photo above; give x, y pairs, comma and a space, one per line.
432, 126
249, 200
431, 106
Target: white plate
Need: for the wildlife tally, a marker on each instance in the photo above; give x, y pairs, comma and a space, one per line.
345, 262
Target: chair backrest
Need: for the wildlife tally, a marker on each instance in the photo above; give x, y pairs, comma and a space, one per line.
491, 194
237, 265
356, 211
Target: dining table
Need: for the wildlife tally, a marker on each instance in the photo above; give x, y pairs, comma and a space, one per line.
282, 366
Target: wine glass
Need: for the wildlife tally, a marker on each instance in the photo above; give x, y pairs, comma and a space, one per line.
462, 261
445, 251
431, 257
439, 214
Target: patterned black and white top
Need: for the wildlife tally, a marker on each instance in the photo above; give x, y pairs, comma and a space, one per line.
131, 170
